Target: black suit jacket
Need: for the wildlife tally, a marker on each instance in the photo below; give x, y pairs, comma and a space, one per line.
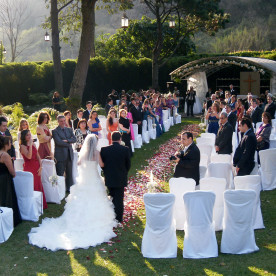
188, 165
270, 108
86, 115
256, 115
224, 139
232, 120
209, 104
245, 152
75, 123
11, 151
107, 107
116, 159
137, 114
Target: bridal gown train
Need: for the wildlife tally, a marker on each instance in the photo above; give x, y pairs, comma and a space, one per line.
88, 218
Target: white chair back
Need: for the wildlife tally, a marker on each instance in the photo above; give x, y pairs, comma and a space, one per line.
102, 142
221, 158
206, 149
6, 223
209, 135
200, 239
258, 125
218, 186
238, 233
202, 171
137, 137
159, 238
205, 140
179, 186
18, 164
204, 159
145, 132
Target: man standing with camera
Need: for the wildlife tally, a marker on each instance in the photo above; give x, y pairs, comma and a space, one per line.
187, 159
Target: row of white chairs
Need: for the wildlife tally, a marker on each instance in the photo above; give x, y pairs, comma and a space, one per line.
159, 238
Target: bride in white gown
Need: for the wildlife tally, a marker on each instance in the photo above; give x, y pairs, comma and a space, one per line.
88, 218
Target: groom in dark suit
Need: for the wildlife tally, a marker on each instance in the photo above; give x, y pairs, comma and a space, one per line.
116, 161
64, 138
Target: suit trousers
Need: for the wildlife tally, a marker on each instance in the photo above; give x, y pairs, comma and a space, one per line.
245, 171
190, 107
117, 195
65, 167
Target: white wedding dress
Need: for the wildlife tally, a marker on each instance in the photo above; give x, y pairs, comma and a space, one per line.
88, 218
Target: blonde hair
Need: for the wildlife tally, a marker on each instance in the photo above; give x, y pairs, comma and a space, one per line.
21, 123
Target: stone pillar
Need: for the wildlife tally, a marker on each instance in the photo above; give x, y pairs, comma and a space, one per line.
273, 84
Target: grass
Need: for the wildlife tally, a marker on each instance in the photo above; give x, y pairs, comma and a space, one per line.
125, 258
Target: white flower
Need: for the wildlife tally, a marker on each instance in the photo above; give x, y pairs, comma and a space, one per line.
54, 180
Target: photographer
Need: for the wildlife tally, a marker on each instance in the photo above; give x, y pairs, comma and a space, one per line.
187, 159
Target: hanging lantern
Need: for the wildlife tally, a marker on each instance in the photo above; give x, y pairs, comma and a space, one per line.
124, 21
47, 37
172, 23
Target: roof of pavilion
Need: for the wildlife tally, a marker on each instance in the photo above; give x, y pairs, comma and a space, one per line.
211, 65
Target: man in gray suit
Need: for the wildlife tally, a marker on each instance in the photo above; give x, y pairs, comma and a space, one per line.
64, 138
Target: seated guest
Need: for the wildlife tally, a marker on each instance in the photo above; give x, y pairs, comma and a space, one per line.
223, 142
22, 126
7, 172
188, 159
68, 120
263, 133
270, 107
254, 112
108, 105
213, 118
81, 132
244, 155
79, 117
93, 123
232, 118
88, 110
124, 129
111, 123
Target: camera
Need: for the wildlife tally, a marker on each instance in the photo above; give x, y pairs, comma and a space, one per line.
172, 158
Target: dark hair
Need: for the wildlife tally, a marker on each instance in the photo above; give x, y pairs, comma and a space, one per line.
82, 121
4, 140
116, 136
189, 134
122, 106
23, 137
3, 119
268, 116
254, 100
246, 121
65, 113
88, 102
132, 99
79, 110
41, 117
91, 113
109, 118
109, 100
55, 95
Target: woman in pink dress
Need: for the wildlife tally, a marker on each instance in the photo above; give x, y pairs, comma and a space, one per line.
129, 117
32, 161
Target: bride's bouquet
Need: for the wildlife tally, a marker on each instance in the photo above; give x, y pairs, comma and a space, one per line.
54, 180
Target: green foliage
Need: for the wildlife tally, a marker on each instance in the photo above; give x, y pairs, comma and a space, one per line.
73, 104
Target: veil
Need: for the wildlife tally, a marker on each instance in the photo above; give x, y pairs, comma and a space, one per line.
89, 151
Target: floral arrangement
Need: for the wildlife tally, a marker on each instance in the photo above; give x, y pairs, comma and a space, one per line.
154, 125
202, 126
54, 180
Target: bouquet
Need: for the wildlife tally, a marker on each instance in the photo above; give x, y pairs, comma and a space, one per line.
54, 180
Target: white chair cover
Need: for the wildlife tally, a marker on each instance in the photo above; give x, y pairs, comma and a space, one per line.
159, 238
179, 186
54, 193
132, 145
176, 116
200, 239
238, 233
145, 132
221, 170
252, 182
29, 201
205, 140
202, 171
218, 186
6, 223
102, 142
268, 168
152, 131
206, 149
258, 125
204, 160
18, 164
255, 170
221, 158
137, 137
209, 135
166, 120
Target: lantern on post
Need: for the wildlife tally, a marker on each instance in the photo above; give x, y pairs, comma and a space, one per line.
47, 37
124, 21
172, 23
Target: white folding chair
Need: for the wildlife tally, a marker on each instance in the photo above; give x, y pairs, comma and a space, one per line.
18, 164
206, 149
166, 121
159, 238
179, 186
145, 133
252, 182
202, 171
238, 233
6, 223
204, 159
218, 186
137, 137
152, 131
268, 168
200, 239
221, 170
29, 201
221, 158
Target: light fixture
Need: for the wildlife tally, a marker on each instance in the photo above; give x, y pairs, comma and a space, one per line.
4, 51
172, 23
124, 21
47, 37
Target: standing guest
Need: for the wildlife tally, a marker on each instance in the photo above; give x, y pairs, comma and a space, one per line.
7, 172
188, 159
93, 123
132, 103
81, 132
254, 112
213, 118
211, 101
169, 101
190, 98
223, 143
247, 103
108, 105
124, 129
234, 104
176, 101
64, 138
79, 117
227, 97
129, 117
112, 123
88, 110
159, 113
232, 118
116, 164
263, 133
232, 91
5, 132
240, 110
113, 96
137, 114
222, 106
44, 136
32, 161
270, 107
208, 94
68, 121
56, 101
244, 155
22, 126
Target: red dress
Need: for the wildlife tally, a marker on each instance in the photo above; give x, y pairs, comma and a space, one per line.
44, 149
32, 165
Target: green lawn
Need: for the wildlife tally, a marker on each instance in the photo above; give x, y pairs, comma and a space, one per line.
124, 257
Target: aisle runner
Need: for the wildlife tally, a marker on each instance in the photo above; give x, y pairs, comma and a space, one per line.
161, 167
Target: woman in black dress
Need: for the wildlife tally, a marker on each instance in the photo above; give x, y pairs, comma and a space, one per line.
56, 101
124, 128
7, 192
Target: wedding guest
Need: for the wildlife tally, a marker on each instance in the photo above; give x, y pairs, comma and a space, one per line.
188, 159
234, 104
208, 94
159, 113
270, 106
93, 123
113, 95
213, 118
247, 103
68, 120
5, 132
244, 155
132, 103
222, 106
56, 101
80, 133
169, 101
211, 101
227, 97
112, 123
263, 133
108, 105
232, 118
129, 117
223, 143
254, 112
137, 114
44, 136
232, 91
64, 138
190, 99
124, 129
22, 126
176, 101
7, 172
240, 110
32, 161
88, 110
79, 117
